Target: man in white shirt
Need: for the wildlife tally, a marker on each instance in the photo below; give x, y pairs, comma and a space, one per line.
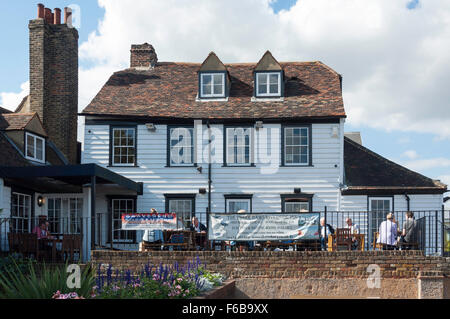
388, 233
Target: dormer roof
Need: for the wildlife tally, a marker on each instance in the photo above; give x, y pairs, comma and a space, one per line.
212, 63
22, 121
268, 63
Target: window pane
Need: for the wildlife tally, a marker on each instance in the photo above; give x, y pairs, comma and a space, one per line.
218, 89
181, 146
39, 150
30, 146
274, 79
218, 79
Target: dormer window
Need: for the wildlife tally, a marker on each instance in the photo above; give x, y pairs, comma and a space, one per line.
268, 84
212, 85
213, 80
34, 148
268, 78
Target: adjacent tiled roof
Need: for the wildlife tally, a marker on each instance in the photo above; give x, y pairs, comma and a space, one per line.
10, 156
3, 110
367, 172
15, 121
170, 90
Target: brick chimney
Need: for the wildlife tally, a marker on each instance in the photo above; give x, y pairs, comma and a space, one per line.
143, 56
54, 78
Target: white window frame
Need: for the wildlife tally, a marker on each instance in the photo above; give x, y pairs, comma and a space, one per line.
192, 147
298, 202
308, 146
114, 129
380, 198
202, 94
268, 74
250, 146
27, 210
114, 218
246, 200
67, 219
35, 139
186, 216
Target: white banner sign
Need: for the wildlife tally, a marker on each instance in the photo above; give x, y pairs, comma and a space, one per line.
263, 227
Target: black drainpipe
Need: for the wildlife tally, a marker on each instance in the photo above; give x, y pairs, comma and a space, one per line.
209, 175
407, 202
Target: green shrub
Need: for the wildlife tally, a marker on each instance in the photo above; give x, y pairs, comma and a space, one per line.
41, 282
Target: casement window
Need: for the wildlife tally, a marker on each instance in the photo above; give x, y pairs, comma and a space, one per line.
296, 203
34, 147
121, 206
184, 206
296, 146
235, 203
181, 146
238, 146
212, 85
268, 84
20, 213
124, 150
65, 215
379, 208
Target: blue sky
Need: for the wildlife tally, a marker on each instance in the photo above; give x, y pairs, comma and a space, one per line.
422, 149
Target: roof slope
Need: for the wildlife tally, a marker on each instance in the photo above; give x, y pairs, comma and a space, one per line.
15, 121
368, 173
3, 110
169, 90
10, 156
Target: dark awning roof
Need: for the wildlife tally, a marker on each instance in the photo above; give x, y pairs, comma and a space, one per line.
64, 179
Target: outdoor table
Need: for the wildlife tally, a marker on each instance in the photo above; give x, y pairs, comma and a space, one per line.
359, 237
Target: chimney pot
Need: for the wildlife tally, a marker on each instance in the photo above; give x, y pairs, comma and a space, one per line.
41, 8
67, 15
57, 16
48, 16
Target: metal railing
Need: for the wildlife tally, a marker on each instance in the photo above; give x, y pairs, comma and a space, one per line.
431, 230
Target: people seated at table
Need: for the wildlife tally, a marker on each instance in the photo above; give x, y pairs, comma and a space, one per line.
354, 230
43, 235
409, 232
197, 226
152, 236
324, 233
388, 233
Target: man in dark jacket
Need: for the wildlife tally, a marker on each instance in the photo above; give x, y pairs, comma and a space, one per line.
197, 226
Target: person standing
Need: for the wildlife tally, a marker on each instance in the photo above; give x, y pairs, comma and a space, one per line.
388, 233
324, 233
409, 232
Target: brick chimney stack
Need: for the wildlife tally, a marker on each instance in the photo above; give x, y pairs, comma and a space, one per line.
54, 78
143, 56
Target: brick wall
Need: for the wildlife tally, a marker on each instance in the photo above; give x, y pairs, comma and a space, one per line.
300, 274
54, 82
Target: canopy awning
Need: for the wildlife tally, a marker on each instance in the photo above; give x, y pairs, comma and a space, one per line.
65, 179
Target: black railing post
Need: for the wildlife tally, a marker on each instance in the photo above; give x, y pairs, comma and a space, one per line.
442, 231
325, 237
93, 190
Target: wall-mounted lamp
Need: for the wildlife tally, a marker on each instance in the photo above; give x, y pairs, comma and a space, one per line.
40, 201
151, 127
200, 169
297, 190
259, 125
202, 191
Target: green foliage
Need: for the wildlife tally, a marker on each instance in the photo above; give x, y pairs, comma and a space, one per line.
41, 282
215, 278
9, 263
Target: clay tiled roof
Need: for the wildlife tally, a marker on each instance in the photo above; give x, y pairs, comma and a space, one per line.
15, 121
3, 110
10, 156
369, 173
313, 90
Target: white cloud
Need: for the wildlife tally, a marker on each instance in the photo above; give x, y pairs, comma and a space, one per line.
395, 62
424, 164
11, 100
411, 154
